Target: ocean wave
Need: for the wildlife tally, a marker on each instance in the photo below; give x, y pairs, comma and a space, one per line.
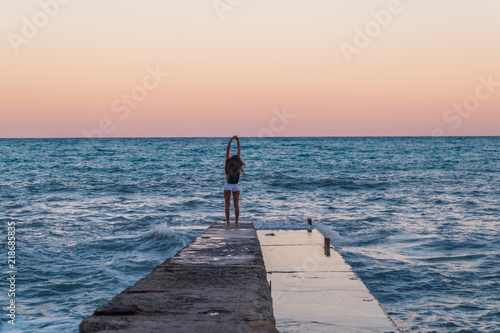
336, 239
466, 257
420, 229
327, 183
193, 203
161, 230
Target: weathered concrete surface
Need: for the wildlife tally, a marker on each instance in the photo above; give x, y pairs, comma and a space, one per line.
217, 283
315, 293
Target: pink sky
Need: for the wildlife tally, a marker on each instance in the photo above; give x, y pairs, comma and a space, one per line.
283, 67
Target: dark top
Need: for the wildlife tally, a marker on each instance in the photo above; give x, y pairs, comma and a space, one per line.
233, 176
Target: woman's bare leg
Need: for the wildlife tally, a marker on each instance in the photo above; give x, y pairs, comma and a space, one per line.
227, 200
236, 202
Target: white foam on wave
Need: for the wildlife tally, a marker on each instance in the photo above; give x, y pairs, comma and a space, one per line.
328, 231
160, 230
336, 238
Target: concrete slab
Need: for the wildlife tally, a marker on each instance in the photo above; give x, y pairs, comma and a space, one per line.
217, 283
304, 258
315, 293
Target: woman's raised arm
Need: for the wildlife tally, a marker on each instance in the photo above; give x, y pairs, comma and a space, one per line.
239, 147
228, 148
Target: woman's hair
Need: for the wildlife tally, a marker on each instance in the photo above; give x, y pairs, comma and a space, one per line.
235, 163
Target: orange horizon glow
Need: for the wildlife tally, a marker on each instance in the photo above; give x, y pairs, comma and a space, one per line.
80, 72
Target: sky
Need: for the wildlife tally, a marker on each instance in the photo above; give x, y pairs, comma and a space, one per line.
197, 68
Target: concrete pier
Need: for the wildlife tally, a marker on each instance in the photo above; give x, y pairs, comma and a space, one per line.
217, 283
315, 290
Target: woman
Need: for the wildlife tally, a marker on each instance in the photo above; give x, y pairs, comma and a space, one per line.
233, 168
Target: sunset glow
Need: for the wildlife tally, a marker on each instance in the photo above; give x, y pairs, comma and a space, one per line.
249, 68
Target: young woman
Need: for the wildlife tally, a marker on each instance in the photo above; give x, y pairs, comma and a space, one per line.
233, 168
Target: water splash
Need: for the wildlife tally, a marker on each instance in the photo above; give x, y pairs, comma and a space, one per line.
161, 230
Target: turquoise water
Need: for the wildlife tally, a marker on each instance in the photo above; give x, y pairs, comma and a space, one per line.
417, 218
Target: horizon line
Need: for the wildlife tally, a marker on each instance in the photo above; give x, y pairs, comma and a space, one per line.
266, 137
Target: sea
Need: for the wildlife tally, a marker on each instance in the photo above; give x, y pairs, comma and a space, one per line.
418, 218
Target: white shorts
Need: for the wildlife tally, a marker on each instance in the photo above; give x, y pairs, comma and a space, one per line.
231, 187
